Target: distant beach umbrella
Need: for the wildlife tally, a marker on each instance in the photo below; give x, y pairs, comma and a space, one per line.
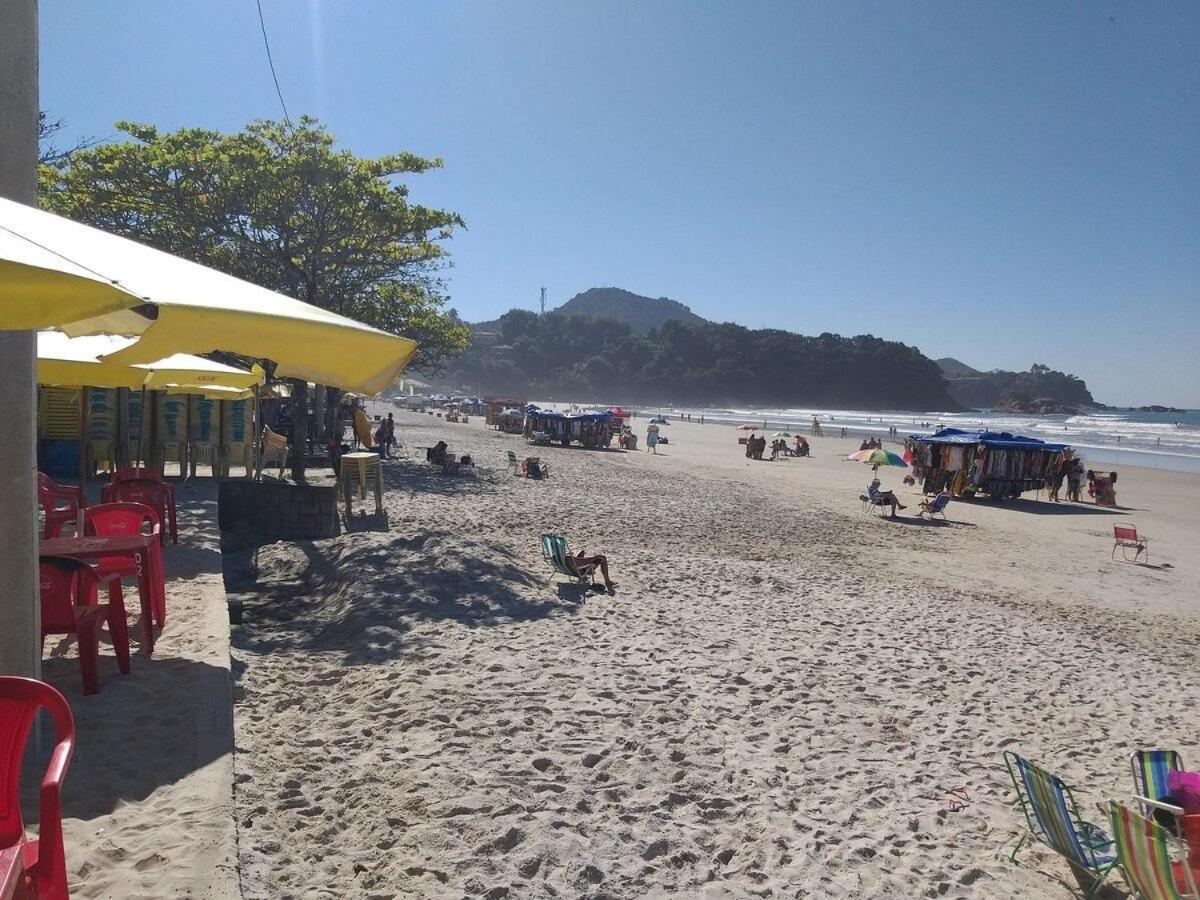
783, 434
878, 457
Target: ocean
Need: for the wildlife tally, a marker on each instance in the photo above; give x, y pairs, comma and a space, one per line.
1111, 438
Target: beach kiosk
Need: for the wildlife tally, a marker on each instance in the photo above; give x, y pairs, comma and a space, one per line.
995, 463
589, 429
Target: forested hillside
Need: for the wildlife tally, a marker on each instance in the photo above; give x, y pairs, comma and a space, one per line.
986, 390
696, 363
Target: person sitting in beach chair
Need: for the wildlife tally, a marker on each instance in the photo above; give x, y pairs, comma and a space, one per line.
876, 497
578, 566
437, 453
936, 506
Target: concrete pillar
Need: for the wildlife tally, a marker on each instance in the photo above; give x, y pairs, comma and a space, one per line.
20, 634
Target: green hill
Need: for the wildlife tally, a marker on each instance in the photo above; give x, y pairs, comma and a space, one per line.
640, 313
635, 349
1039, 389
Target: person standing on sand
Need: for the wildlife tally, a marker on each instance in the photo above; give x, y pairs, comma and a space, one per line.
1074, 469
652, 439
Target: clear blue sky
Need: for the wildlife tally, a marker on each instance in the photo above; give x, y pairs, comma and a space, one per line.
1004, 183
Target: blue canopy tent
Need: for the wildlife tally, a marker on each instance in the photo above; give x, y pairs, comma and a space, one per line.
988, 462
591, 429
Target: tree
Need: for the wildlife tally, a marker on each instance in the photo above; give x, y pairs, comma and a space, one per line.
278, 205
49, 152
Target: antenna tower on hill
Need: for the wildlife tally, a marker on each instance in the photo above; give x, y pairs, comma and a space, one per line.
543, 301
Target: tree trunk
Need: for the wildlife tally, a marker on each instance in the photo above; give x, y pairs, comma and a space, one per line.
319, 413
299, 429
333, 412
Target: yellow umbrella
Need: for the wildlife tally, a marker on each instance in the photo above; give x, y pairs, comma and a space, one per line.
86, 362
56, 273
72, 362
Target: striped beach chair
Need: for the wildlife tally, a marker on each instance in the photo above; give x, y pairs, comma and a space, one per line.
554, 549
1150, 769
1053, 819
1144, 850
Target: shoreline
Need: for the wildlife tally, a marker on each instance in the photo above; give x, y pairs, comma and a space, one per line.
1115, 454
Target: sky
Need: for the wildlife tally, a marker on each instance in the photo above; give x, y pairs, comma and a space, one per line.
1003, 183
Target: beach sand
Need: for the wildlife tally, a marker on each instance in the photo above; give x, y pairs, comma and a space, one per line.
776, 701
148, 799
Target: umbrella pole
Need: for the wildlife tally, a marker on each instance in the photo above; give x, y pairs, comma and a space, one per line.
219, 456
254, 431
141, 426
83, 424
186, 443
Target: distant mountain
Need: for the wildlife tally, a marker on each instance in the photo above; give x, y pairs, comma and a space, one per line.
640, 313
616, 346
952, 366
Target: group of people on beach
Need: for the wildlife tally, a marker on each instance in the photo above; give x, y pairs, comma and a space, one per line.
1070, 469
757, 446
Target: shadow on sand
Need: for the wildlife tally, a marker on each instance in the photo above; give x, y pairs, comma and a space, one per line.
423, 477
360, 596
146, 707
1046, 508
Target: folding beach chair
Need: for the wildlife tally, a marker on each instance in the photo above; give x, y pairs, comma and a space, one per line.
554, 549
1150, 769
936, 506
513, 464
1144, 850
870, 506
1126, 537
1053, 818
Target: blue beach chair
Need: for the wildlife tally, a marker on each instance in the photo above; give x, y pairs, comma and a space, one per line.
1053, 818
1150, 770
936, 506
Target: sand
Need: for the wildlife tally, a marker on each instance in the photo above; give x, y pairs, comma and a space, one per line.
776, 701
148, 800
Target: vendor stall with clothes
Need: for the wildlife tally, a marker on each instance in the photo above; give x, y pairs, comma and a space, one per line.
591, 429
987, 462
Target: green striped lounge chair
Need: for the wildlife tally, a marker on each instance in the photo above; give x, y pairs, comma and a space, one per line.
554, 548
1150, 769
1144, 850
1053, 818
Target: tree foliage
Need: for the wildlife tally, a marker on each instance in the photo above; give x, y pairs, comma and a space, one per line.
989, 389
278, 205
700, 363
50, 152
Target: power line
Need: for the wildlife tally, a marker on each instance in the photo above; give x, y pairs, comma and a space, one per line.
266, 43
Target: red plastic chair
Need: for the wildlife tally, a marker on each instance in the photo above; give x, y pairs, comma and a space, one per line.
32, 867
153, 493
117, 519
70, 605
51, 496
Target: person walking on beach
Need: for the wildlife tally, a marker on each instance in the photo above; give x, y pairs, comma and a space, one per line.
652, 439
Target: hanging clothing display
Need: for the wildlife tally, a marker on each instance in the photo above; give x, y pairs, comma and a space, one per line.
995, 463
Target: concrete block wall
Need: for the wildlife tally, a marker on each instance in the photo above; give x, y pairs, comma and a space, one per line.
273, 510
